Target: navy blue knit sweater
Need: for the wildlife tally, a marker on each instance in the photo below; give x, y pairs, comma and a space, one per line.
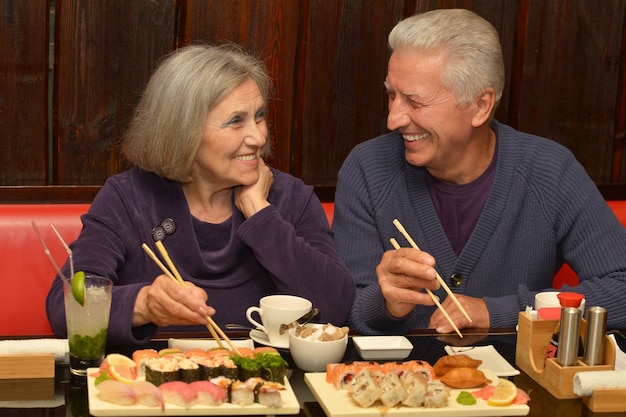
543, 210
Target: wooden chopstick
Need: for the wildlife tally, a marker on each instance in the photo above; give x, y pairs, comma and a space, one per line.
402, 230
395, 244
213, 328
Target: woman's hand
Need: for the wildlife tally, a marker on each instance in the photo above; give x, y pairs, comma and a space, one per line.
251, 198
166, 303
402, 275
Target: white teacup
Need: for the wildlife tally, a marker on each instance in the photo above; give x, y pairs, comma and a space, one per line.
549, 299
275, 310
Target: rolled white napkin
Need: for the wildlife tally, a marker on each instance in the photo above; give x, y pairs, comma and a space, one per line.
585, 382
58, 347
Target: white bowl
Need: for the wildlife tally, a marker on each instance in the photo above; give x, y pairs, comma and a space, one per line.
313, 355
383, 347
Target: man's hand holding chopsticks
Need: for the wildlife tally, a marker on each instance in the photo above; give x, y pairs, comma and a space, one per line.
165, 303
402, 275
475, 307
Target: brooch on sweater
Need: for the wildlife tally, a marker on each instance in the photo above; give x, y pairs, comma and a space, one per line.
160, 232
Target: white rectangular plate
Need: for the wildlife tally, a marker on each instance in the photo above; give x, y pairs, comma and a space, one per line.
492, 360
97, 407
186, 344
338, 403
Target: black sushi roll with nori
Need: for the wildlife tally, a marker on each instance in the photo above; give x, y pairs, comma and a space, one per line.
189, 371
161, 370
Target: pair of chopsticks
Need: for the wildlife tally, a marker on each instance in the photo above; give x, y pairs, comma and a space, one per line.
214, 329
395, 244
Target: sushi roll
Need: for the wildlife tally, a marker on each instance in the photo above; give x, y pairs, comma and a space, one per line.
273, 367
416, 386
141, 356
365, 391
392, 392
208, 368
162, 370
179, 393
437, 395
248, 367
189, 370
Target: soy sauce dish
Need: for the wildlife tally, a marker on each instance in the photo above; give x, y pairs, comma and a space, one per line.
382, 347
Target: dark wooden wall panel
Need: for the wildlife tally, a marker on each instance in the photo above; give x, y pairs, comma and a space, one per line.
23, 92
104, 54
269, 29
569, 76
565, 63
341, 99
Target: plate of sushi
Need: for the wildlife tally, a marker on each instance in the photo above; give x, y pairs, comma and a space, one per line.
451, 388
174, 382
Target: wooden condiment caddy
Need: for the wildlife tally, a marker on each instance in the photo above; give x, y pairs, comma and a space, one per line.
533, 337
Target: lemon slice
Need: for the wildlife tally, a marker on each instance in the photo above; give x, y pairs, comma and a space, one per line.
117, 359
78, 287
504, 394
125, 374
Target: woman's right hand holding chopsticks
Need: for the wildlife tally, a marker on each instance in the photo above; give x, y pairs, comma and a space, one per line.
165, 303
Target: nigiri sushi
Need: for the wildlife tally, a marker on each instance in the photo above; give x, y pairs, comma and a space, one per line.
116, 392
209, 393
148, 394
179, 393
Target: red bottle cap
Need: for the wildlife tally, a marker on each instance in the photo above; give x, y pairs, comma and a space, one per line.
570, 299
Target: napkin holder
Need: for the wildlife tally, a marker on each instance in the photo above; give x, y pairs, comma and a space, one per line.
533, 337
25, 366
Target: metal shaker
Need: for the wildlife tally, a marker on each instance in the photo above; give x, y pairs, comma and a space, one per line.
569, 335
596, 333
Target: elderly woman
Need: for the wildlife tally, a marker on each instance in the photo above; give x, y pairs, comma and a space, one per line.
236, 228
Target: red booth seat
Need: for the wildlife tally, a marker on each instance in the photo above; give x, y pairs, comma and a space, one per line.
28, 273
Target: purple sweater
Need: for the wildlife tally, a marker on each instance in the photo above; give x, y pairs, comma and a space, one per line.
286, 248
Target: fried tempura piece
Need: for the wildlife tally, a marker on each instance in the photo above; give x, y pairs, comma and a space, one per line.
464, 377
447, 363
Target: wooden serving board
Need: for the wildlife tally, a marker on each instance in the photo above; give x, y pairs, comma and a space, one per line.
337, 403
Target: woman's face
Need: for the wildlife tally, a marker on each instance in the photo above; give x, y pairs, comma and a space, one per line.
234, 134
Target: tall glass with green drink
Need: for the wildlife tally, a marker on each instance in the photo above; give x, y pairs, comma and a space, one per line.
87, 309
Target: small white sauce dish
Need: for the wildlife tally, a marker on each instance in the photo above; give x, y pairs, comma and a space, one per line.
382, 347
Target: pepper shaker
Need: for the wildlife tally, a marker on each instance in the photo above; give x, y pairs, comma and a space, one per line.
569, 335
596, 332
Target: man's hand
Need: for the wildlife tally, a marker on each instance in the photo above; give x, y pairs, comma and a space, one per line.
402, 275
475, 308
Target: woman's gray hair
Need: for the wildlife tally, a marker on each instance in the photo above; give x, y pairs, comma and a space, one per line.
473, 54
167, 128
